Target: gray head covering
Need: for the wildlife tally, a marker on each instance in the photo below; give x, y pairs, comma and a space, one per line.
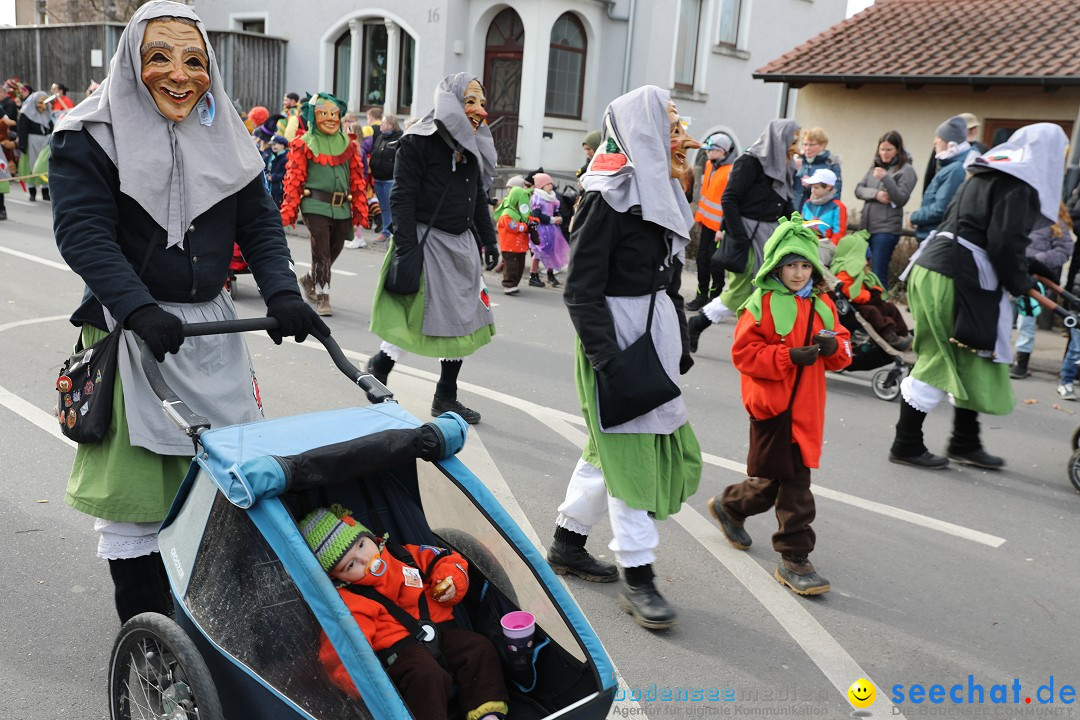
449, 111
638, 121
771, 149
1036, 155
29, 108
952, 130
175, 171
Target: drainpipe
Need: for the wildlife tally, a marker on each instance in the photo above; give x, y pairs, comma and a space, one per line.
785, 94
1072, 167
629, 19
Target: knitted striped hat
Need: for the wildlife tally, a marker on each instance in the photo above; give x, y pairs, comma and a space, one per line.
330, 533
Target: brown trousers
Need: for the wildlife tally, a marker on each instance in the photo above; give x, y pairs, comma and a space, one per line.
328, 237
513, 268
425, 686
794, 503
883, 316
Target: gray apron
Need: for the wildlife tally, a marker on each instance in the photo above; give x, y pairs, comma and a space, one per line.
453, 281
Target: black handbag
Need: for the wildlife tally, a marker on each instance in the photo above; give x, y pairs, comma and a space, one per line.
732, 253
771, 454
403, 276
975, 310
634, 382
86, 381
85, 385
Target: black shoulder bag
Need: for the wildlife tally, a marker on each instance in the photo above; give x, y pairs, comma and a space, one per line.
770, 453
634, 381
85, 384
975, 309
407, 264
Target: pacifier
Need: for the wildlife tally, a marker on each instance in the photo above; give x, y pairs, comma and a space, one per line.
377, 566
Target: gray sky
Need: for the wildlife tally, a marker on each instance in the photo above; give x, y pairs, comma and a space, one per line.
853, 6
7, 12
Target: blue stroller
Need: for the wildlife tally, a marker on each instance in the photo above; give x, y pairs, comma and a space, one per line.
250, 598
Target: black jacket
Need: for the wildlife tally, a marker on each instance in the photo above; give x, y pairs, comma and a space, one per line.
423, 169
996, 212
103, 236
749, 193
614, 254
25, 127
382, 155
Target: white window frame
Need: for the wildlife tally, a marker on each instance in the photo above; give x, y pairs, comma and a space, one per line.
237, 19
742, 35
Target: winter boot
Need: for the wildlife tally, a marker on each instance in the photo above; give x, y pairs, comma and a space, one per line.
797, 572
1019, 369
965, 446
45, 194
552, 280
3, 208
568, 556
380, 364
734, 532
698, 302
308, 284
908, 447
535, 281
141, 585
322, 305
640, 598
33, 194
695, 326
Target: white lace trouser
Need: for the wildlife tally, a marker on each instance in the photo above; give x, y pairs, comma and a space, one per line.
920, 395
395, 353
125, 540
587, 499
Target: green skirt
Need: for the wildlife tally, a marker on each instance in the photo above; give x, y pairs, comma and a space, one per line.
399, 320
646, 471
738, 287
25, 168
976, 383
117, 481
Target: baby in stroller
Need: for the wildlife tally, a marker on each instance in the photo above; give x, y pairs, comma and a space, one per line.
387, 589
860, 285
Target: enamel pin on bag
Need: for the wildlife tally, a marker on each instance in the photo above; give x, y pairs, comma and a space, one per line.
85, 390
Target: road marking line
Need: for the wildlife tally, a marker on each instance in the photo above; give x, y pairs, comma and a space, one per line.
33, 414
32, 321
35, 258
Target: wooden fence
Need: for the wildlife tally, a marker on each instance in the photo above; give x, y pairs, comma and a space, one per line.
252, 65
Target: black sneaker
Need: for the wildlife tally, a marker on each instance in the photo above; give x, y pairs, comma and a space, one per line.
734, 532
695, 326
979, 458
568, 559
799, 575
927, 461
697, 303
439, 406
649, 608
535, 281
380, 376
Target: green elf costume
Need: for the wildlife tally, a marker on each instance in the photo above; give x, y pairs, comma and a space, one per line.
324, 180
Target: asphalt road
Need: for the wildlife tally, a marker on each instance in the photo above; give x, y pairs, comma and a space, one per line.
936, 575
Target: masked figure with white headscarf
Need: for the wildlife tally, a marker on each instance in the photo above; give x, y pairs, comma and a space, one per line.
629, 230
959, 286
444, 165
153, 187
33, 128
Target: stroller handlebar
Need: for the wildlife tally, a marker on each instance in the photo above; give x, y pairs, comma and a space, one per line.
194, 424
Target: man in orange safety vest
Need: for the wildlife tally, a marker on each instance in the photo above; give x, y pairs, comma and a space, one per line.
709, 216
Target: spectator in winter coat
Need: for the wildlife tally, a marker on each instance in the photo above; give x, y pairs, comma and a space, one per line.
812, 156
381, 163
822, 206
886, 189
952, 148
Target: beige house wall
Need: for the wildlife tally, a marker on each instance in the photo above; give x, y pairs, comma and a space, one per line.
855, 119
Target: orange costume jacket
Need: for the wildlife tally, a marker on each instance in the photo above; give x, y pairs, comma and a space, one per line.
513, 235
864, 296
379, 626
709, 213
762, 358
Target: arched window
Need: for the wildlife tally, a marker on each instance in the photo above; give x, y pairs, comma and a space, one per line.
566, 68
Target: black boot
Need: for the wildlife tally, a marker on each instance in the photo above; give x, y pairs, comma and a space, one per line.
568, 556
45, 194
965, 446
380, 364
1019, 369
907, 447
535, 281
552, 280
33, 193
446, 394
3, 208
141, 585
640, 598
695, 326
798, 573
698, 302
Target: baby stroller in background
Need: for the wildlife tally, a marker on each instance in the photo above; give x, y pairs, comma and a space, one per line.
250, 597
1070, 321
868, 350
237, 266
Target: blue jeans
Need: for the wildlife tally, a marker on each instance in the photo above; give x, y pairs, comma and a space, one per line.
1072, 355
382, 193
1025, 338
881, 250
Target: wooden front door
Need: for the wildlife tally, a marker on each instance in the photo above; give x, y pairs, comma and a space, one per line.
502, 82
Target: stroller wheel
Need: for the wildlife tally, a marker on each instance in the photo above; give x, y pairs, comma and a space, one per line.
1074, 470
157, 672
231, 284
1076, 439
886, 383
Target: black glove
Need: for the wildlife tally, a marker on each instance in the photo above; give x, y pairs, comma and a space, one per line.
805, 355
826, 343
685, 363
295, 318
162, 331
491, 256
1038, 268
533, 222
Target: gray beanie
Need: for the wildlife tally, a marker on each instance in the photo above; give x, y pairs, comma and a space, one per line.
952, 130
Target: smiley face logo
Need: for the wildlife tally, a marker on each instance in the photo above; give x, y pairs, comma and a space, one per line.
861, 694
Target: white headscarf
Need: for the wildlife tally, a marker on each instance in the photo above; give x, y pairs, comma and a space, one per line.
638, 122
449, 110
175, 171
29, 109
771, 149
1036, 155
